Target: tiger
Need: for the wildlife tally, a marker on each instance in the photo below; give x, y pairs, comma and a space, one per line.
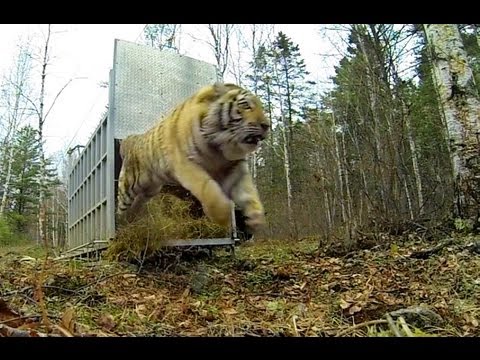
199, 148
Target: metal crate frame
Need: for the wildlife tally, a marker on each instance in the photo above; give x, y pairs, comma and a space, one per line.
93, 175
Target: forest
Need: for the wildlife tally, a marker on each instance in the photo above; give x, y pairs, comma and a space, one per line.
371, 187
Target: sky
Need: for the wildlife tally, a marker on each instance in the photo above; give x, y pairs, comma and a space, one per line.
83, 54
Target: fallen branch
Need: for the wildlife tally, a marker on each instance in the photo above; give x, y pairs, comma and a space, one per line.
357, 326
64, 331
425, 254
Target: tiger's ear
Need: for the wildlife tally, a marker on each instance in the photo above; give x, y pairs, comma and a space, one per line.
222, 88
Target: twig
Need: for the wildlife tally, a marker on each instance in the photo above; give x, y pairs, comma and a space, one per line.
14, 292
64, 331
419, 225
77, 290
59, 288
295, 330
102, 279
392, 326
252, 305
357, 326
39, 290
405, 327
142, 261
20, 318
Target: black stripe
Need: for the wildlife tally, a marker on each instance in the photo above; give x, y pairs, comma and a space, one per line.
175, 117
242, 102
220, 116
230, 107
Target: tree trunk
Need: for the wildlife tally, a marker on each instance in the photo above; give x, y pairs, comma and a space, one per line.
373, 103
220, 44
340, 172
15, 117
287, 168
416, 169
8, 177
41, 120
461, 109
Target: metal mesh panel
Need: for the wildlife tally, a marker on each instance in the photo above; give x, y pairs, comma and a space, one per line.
87, 199
145, 83
149, 83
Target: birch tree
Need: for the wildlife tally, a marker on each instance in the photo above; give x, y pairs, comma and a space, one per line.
15, 110
256, 43
220, 36
42, 112
461, 111
163, 36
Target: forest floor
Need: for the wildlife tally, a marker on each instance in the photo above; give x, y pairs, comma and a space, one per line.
402, 287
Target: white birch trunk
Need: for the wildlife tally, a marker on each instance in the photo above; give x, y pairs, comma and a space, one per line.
286, 164
6, 186
41, 120
461, 108
340, 171
416, 169
16, 87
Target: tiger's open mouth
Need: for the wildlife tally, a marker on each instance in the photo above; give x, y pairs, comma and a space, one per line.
253, 139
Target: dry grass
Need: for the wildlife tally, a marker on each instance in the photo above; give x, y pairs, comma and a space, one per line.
166, 217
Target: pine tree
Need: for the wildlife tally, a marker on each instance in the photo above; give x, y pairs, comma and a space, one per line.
26, 172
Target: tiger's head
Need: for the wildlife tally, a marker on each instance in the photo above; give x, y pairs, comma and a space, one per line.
236, 122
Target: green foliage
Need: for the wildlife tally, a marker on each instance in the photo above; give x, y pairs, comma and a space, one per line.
8, 234
25, 179
19, 222
463, 225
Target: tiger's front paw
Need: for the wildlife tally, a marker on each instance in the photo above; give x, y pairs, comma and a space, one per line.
255, 220
219, 211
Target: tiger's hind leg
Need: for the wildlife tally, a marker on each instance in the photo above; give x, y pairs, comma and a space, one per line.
133, 193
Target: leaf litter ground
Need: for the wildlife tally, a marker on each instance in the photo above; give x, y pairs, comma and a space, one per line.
269, 288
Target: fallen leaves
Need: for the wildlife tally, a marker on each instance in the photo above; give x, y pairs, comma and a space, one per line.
230, 311
107, 322
260, 293
68, 320
8, 316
